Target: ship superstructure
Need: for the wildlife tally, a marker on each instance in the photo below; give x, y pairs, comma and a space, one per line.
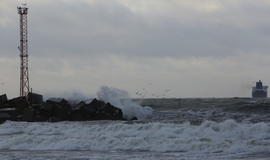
259, 91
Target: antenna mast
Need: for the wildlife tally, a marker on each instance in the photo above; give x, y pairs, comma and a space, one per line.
24, 77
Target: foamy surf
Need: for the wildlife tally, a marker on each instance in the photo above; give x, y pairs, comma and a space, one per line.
122, 100
213, 129
210, 137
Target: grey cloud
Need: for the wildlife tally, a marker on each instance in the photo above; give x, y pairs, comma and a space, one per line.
101, 29
60, 29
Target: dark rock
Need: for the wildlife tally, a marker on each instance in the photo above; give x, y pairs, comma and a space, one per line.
19, 117
55, 110
100, 115
96, 104
46, 109
47, 106
10, 104
60, 102
21, 105
80, 108
35, 98
54, 119
61, 113
134, 118
4, 116
89, 110
114, 112
77, 115
79, 105
11, 112
35, 106
3, 99
40, 118
18, 99
2, 121
28, 115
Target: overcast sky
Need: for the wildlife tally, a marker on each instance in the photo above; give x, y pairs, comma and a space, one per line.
164, 48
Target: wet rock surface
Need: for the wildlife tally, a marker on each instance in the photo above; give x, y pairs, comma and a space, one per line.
55, 110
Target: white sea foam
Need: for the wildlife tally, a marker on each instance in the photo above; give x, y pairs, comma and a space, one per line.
210, 137
122, 100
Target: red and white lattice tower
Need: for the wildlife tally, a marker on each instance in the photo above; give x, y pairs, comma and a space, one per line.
24, 77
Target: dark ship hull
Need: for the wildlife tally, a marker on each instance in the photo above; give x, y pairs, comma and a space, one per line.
259, 91
259, 94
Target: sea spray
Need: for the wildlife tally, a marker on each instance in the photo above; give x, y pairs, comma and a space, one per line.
122, 100
73, 97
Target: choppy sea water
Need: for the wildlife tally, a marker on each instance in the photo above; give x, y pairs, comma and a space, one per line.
201, 128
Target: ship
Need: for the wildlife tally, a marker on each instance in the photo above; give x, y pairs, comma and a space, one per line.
259, 91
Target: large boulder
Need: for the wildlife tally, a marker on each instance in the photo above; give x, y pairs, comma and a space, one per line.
61, 113
88, 111
77, 115
28, 115
35, 98
3, 99
4, 117
96, 110
58, 108
113, 111
46, 109
61, 102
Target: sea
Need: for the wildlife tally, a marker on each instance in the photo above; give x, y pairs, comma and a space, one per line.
165, 129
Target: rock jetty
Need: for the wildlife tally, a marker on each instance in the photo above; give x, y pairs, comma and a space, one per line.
55, 110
